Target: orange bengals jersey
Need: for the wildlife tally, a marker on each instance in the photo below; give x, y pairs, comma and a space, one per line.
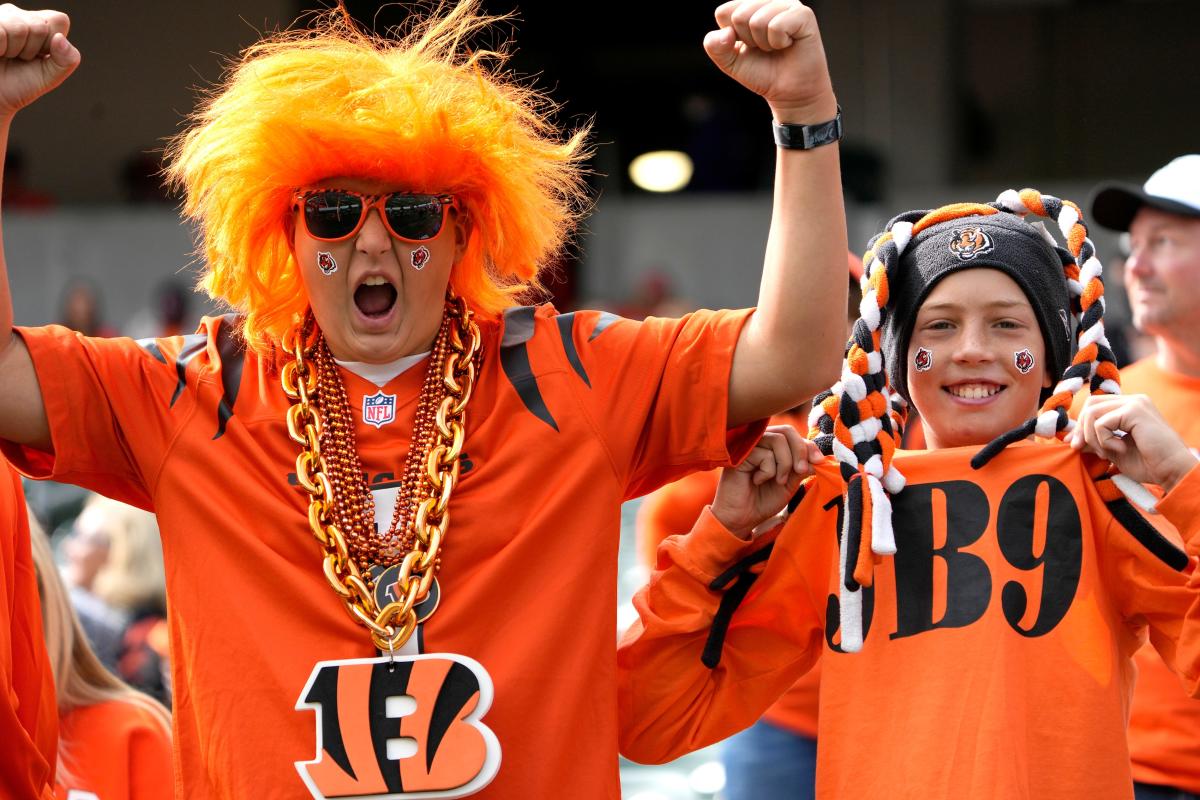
114, 751
571, 414
672, 510
28, 713
998, 639
1164, 723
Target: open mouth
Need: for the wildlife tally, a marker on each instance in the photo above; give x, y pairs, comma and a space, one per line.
375, 297
974, 391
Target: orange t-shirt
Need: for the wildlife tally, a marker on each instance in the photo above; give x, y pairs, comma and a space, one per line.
997, 641
28, 713
571, 414
1164, 723
673, 510
115, 751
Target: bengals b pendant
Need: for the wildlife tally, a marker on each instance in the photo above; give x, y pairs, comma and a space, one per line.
400, 727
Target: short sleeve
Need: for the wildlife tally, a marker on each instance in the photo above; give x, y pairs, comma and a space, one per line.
109, 404
659, 391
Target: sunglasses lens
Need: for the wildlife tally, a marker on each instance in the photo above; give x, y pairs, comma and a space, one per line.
332, 215
414, 216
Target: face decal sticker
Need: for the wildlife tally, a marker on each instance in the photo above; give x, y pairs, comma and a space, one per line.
1023, 359
326, 263
923, 360
420, 257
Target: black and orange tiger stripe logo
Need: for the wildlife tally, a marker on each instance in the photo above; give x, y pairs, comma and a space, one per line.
400, 728
970, 242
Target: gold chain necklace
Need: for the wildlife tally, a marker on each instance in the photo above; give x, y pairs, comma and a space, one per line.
429, 493
355, 511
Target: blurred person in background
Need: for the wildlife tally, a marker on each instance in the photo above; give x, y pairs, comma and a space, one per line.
81, 309
114, 741
131, 581
28, 716
1162, 277
168, 315
84, 551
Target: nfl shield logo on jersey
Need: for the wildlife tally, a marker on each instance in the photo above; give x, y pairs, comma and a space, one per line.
379, 409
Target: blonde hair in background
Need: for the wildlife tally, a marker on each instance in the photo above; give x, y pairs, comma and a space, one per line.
79, 677
420, 111
133, 576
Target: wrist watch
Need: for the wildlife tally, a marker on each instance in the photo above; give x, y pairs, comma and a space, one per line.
806, 137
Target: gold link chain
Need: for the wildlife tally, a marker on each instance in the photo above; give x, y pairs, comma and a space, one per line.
391, 626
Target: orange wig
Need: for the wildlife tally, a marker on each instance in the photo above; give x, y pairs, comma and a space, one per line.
417, 112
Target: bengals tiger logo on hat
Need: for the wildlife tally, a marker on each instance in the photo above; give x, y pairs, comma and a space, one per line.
970, 242
408, 727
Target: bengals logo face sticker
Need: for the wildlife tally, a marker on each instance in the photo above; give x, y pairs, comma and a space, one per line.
970, 242
923, 360
326, 263
1023, 360
420, 257
403, 728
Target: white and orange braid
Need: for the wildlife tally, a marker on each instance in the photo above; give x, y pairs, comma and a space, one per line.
860, 419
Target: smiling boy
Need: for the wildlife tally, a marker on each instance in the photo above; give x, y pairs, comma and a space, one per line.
975, 612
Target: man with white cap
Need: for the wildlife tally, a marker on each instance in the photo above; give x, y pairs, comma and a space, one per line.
1162, 275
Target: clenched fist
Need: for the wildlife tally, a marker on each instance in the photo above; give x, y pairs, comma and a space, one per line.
773, 48
35, 55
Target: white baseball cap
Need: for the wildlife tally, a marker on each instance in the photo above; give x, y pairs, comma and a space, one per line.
1175, 189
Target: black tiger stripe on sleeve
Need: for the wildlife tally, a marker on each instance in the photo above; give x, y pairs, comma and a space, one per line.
604, 320
193, 345
566, 331
514, 360
233, 357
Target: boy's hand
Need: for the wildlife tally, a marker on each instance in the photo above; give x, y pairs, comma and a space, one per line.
759, 487
1129, 431
773, 48
35, 55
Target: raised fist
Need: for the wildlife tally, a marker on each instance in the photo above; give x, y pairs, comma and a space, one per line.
35, 55
773, 48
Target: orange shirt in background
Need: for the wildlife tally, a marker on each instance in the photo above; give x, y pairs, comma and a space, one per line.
1164, 723
673, 510
998, 641
571, 415
115, 751
28, 713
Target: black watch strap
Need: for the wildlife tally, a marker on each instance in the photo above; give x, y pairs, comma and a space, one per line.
806, 137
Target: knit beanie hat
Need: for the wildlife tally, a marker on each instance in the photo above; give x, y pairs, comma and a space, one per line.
861, 418
1001, 241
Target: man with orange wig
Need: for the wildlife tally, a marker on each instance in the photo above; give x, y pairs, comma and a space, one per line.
371, 211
